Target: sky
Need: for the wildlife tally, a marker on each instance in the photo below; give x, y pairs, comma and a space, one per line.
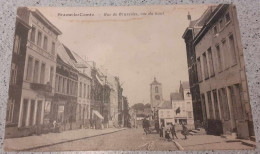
135, 48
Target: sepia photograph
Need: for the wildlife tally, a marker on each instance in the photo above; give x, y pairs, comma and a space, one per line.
128, 78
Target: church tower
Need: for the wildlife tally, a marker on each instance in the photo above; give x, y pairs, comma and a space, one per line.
156, 94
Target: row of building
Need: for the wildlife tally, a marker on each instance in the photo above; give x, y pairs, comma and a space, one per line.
217, 72
52, 86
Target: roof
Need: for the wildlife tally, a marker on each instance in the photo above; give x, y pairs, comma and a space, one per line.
155, 82
63, 55
165, 105
43, 19
185, 85
176, 96
200, 22
210, 20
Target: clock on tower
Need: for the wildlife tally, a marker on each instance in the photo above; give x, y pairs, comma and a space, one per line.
156, 94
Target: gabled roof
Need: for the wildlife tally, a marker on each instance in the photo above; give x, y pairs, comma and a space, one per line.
185, 85
176, 96
63, 55
165, 105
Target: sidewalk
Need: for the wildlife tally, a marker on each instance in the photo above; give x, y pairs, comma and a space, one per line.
208, 142
33, 142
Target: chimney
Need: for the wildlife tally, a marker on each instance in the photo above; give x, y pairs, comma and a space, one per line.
189, 16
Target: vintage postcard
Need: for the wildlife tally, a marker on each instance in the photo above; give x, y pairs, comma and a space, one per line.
135, 78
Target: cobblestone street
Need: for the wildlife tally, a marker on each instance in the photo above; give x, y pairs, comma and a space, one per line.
130, 139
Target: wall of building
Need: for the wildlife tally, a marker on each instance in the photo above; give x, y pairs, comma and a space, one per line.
225, 72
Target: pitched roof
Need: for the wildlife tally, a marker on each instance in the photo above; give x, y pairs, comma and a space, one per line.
165, 105
185, 85
63, 55
176, 96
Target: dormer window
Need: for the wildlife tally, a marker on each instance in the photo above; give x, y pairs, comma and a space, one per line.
215, 30
227, 16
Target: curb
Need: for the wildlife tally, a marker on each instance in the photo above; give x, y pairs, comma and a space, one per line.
46, 145
178, 145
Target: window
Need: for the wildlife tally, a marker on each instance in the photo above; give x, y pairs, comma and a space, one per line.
215, 98
64, 85
80, 89
45, 43
39, 40
199, 69
60, 84
17, 42
53, 48
156, 89
210, 105
215, 30
224, 104
232, 50
236, 102
36, 71
211, 66
32, 37
168, 114
57, 83
10, 111
225, 54
189, 115
24, 112
188, 106
88, 91
227, 17
219, 59
32, 105
205, 66
42, 77
51, 75
29, 68
84, 91
14, 68
221, 24
68, 86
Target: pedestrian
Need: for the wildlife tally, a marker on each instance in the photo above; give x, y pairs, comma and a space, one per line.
156, 126
146, 126
161, 130
167, 132
184, 131
173, 131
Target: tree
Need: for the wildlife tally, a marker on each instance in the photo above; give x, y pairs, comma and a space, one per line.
148, 105
138, 106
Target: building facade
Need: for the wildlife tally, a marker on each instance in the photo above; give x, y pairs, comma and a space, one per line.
182, 105
221, 74
64, 108
189, 35
39, 70
16, 75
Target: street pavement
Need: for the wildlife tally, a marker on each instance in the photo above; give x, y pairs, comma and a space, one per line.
209, 142
126, 140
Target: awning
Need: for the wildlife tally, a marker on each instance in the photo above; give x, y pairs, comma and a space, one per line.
98, 114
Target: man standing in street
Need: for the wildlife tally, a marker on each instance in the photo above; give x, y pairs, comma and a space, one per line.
146, 126
173, 131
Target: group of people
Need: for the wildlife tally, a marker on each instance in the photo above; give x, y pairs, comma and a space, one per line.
170, 131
